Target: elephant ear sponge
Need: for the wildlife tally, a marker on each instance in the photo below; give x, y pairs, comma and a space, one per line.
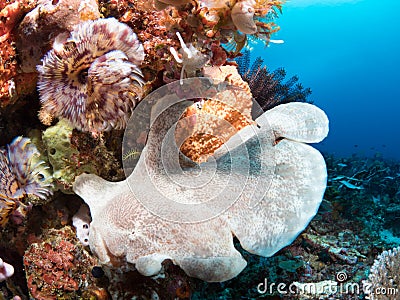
296, 185
274, 184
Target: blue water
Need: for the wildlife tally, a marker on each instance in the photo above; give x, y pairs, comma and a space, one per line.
348, 53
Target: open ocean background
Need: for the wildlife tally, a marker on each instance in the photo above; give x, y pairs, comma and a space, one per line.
348, 53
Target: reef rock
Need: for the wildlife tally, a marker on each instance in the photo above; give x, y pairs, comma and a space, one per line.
260, 186
45, 22
58, 267
72, 153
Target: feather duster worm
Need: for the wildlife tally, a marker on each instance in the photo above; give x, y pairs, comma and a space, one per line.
21, 174
93, 79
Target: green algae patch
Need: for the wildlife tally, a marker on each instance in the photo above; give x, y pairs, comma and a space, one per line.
71, 153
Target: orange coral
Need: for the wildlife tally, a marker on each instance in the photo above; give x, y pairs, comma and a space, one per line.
152, 29
58, 266
8, 69
10, 14
10, 84
220, 117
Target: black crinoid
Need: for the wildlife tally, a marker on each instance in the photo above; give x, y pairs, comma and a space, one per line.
270, 89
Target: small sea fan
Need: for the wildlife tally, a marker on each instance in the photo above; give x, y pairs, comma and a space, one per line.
21, 173
93, 79
270, 89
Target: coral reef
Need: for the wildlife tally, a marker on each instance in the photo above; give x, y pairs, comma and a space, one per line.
243, 16
7, 73
15, 239
247, 16
343, 239
23, 180
171, 283
153, 29
368, 188
93, 77
97, 71
162, 4
10, 12
348, 220
204, 25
